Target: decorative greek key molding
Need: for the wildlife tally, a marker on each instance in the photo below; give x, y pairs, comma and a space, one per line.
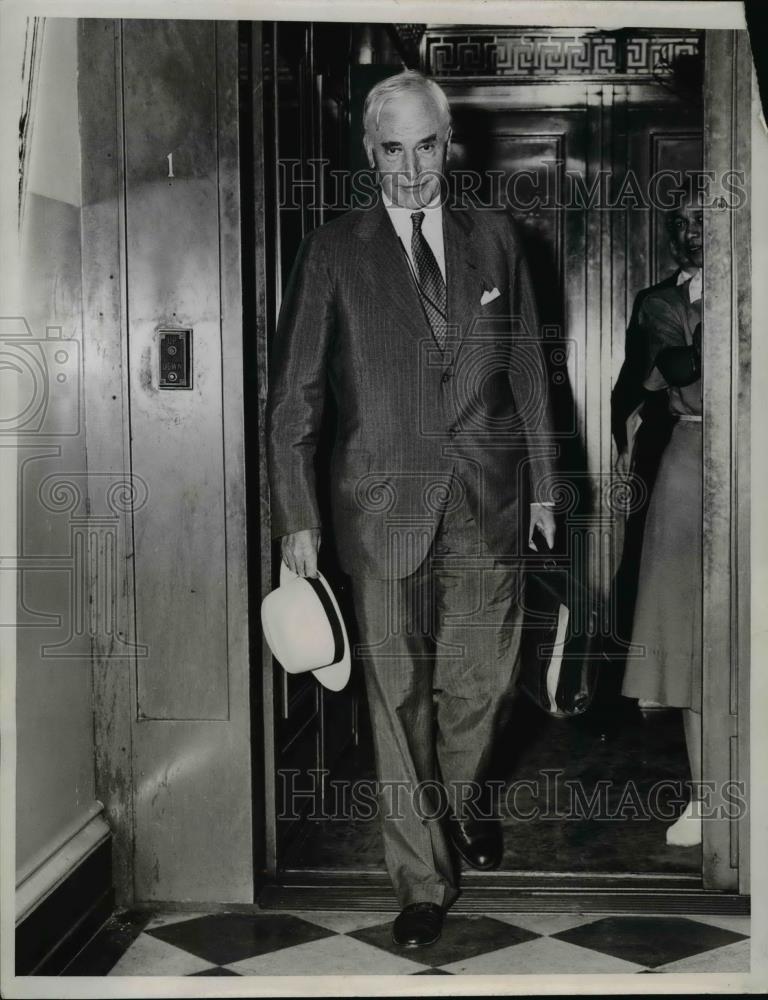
524, 53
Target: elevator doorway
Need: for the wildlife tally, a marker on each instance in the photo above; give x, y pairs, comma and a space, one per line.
563, 127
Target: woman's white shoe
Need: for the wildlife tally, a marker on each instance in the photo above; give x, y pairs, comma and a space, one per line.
686, 832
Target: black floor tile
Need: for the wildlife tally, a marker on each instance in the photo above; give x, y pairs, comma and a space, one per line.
463, 937
649, 941
103, 952
222, 938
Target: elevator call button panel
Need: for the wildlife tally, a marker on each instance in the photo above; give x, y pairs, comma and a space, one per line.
175, 359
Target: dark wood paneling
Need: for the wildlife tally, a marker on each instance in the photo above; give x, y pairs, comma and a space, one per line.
305, 114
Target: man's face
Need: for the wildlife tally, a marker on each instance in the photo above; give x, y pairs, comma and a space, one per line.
686, 233
408, 149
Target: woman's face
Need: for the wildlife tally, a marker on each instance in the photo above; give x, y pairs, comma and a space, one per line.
686, 237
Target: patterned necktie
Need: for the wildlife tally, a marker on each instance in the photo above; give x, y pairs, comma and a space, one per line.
431, 284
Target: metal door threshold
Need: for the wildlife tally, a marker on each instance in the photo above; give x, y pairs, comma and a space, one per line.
510, 892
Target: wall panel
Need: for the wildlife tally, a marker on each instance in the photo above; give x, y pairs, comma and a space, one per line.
172, 247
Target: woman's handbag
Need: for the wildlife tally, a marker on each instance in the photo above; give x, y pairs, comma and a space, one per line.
560, 647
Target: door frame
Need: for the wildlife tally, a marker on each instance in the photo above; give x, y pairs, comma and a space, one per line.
724, 885
726, 305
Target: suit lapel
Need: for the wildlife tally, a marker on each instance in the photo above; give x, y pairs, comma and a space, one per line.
384, 268
463, 278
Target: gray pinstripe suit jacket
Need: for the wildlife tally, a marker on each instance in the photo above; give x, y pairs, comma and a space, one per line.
409, 415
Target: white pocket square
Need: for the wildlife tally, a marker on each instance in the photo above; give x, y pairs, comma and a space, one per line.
489, 296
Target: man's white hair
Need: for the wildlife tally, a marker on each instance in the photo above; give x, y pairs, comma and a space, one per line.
409, 81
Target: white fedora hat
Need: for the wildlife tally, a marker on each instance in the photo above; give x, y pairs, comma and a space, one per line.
304, 629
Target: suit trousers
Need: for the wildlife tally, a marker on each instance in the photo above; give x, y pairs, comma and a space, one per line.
440, 650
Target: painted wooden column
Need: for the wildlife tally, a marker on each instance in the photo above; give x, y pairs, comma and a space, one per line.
162, 228
726, 326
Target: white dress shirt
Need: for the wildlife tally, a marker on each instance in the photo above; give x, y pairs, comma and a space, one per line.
431, 227
694, 289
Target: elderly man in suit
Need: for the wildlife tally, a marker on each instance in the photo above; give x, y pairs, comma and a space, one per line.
421, 319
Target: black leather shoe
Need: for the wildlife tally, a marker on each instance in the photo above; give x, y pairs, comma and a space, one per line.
418, 924
480, 842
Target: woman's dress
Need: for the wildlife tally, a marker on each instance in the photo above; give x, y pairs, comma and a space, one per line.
664, 661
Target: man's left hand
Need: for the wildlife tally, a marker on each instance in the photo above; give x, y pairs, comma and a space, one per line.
544, 519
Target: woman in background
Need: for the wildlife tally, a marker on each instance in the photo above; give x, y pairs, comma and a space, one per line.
667, 620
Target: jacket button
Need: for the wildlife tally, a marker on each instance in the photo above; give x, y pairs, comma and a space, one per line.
446, 377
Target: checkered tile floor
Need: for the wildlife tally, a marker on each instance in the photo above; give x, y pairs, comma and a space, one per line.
271, 943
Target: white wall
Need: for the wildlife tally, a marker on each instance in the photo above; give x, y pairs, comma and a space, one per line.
55, 762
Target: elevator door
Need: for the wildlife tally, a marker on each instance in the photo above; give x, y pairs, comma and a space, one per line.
574, 153
523, 155
297, 73
573, 165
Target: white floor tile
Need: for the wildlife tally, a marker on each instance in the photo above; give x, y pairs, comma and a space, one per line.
544, 956
741, 924
337, 955
163, 919
730, 958
546, 923
148, 956
343, 921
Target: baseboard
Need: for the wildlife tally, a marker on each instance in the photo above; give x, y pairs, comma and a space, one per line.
53, 931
